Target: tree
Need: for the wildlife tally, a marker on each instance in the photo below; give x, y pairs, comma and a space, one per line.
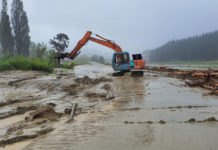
60, 42
20, 28
101, 59
94, 58
31, 48
6, 36
82, 58
39, 50
203, 47
50, 55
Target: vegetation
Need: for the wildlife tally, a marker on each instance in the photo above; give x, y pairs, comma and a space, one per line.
38, 50
23, 63
99, 59
82, 58
20, 28
60, 42
82, 63
201, 48
6, 36
69, 65
106, 63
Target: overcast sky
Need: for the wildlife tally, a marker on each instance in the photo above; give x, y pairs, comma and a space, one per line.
135, 25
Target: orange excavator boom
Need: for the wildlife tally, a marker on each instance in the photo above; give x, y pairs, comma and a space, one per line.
86, 38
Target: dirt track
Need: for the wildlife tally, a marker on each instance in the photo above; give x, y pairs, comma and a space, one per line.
150, 112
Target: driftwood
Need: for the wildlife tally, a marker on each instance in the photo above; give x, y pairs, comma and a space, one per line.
72, 112
198, 74
110, 98
31, 115
208, 87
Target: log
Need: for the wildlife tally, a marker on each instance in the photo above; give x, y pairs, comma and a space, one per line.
208, 87
31, 115
110, 98
198, 74
214, 74
178, 73
72, 112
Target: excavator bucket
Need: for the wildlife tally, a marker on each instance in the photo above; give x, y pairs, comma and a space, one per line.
59, 56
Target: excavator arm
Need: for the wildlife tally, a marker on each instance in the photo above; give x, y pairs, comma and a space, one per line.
105, 42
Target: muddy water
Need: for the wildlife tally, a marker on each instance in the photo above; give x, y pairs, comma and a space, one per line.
122, 123
18, 145
11, 120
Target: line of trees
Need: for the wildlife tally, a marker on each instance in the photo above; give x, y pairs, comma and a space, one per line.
15, 39
203, 47
97, 58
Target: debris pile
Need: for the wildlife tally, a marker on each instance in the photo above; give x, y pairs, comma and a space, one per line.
201, 78
86, 80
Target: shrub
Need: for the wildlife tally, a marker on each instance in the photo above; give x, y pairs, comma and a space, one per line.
69, 65
23, 63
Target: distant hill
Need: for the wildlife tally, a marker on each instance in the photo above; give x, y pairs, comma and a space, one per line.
203, 47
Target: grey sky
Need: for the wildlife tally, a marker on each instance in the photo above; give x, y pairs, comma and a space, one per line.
135, 25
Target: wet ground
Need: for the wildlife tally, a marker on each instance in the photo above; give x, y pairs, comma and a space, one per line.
149, 112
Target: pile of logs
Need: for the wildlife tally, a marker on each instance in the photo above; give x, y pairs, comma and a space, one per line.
202, 78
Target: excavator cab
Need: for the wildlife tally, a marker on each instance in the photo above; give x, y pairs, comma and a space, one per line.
120, 61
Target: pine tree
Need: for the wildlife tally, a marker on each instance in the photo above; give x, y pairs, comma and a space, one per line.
6, 36
20, 27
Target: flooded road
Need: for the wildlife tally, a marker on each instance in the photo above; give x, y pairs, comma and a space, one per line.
151, 112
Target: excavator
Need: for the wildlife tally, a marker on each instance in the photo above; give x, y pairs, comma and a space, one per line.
120, 62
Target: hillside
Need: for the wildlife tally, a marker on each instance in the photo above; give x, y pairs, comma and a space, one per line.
203, 47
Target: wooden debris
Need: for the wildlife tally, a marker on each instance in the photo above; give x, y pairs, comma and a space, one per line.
208, 87
110, 98
32, 114
198, 74
72, 112
207, 79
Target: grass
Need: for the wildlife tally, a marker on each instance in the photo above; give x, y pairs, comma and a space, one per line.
68, 65
24, 63
106, 63
82, 63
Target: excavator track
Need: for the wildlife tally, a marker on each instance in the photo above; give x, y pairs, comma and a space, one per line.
133, 73
118, 73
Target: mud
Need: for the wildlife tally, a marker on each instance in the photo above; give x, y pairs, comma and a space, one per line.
136, 108
146, 122
87, 81
18, 110
26, 137
49, 113
211, 119
14, 83
12, 101
153, 111
22, 126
